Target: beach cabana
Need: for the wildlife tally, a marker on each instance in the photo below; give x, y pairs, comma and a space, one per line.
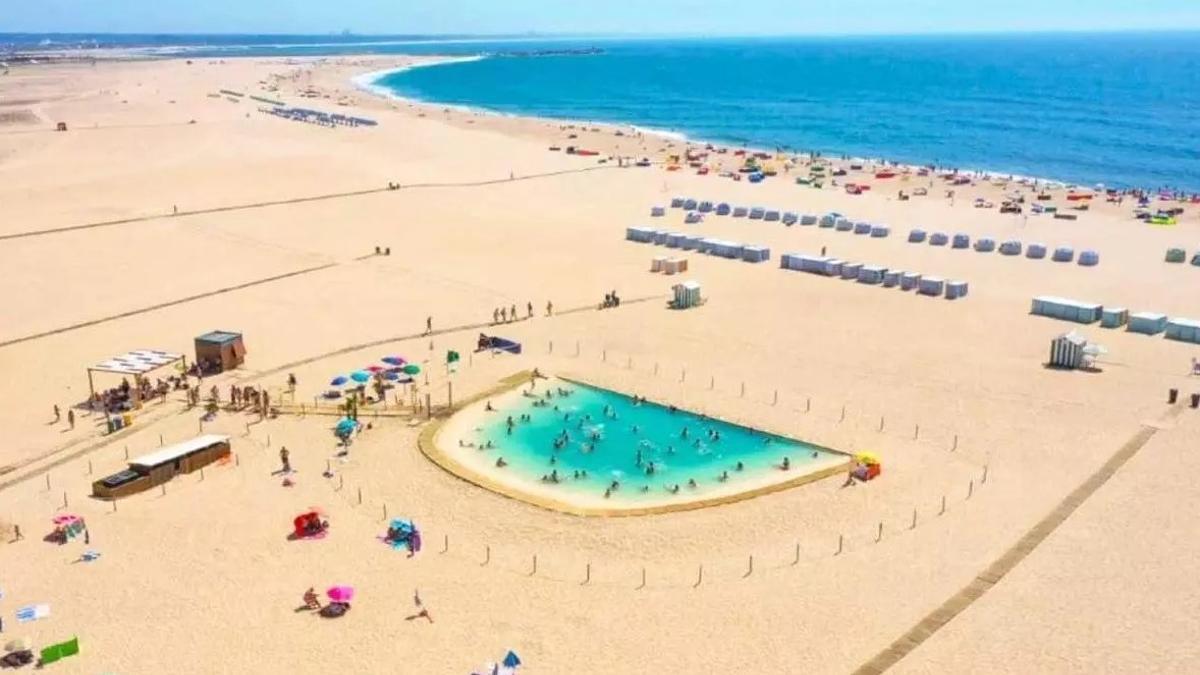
740, 212
1010, 247
961, 241
1114, 317
1066, 351
891, 278
862, 228
1089, 258
808, 219
938, 239
692, 218
1196, 259
689, 204
756, 254
660, 237
844, 225
162, 465
1147, 323
1063, 254
1036, 251
675, 239
871, 274
657, 262
1177, 255
1066, 309
985, 245
771, 216
689, 242
851, 270
686, 295
723, 209
956, 290
916, 236
827, 220
757, 213
704, 207
934, 286
1184, 330
641, 235
909, 280
657, 212
790, 218
880, 231
224, 348
832, 267
677, 202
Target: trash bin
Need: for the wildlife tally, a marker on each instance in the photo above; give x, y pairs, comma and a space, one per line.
127, 419
1172, 396
1196, 400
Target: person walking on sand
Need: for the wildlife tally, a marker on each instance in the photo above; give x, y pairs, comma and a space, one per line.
529, 309
503, 315
310, 599
71, 418
495, 315
428, 325
549, 308
285, 459
57, 414
512, 313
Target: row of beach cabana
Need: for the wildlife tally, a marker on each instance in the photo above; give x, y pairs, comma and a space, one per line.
1012, 247
697, 209
689, 242
1147, 323
874, 275
317, 117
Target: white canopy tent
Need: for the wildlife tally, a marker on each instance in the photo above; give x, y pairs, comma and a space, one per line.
137, 363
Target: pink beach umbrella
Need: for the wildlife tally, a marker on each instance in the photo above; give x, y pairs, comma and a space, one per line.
340, 593
374, 369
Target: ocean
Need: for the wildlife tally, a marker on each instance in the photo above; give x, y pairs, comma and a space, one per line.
1120, 109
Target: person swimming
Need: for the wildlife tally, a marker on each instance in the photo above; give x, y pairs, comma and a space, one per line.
739, 466
692, 482
787, 464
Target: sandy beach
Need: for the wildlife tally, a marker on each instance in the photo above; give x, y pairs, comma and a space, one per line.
168, 209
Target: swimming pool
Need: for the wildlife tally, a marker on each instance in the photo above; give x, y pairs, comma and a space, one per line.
580, 448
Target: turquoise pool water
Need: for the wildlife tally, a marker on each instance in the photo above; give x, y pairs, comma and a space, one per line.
588, 438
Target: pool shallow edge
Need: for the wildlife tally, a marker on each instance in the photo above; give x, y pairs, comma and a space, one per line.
427, 443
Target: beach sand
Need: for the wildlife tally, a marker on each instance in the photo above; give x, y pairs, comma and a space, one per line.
202, 578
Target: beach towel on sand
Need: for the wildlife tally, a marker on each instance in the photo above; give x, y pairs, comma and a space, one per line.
32, 613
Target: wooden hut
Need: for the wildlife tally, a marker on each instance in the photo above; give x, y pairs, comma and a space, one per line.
162, 465
223, 348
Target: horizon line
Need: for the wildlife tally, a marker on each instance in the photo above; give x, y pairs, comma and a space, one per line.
533, 35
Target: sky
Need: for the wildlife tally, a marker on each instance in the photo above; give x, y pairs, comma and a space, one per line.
689, 17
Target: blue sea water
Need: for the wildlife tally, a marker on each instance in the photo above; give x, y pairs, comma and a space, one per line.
1121, 109
611, 439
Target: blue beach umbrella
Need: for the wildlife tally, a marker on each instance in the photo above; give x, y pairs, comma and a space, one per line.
361, 377
338, 381
511, 660
345, 426
394, 360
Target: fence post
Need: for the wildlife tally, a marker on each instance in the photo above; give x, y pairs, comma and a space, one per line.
114, 503
47, 481
160, 440
449, 394
89, 467
65, 502
550, 349
577, 348
808, 405
879, 534
914, 521
981, 480
881, 423
841, 542
604, 355
796, 560
385, 510
533, 572
487, 556
643, 580
164, 489
970, 488
712, 382
743, 391
955, 446
201, 474
360, 496
445, 543
916, 431
126, 452
843, 417
943, 505
201, 425
656, 368
775, 399
428, 406
341, 482
699, 577
749, 568
683, 375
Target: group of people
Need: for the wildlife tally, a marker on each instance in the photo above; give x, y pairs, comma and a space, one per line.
610, 300
509, 314
125, 396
